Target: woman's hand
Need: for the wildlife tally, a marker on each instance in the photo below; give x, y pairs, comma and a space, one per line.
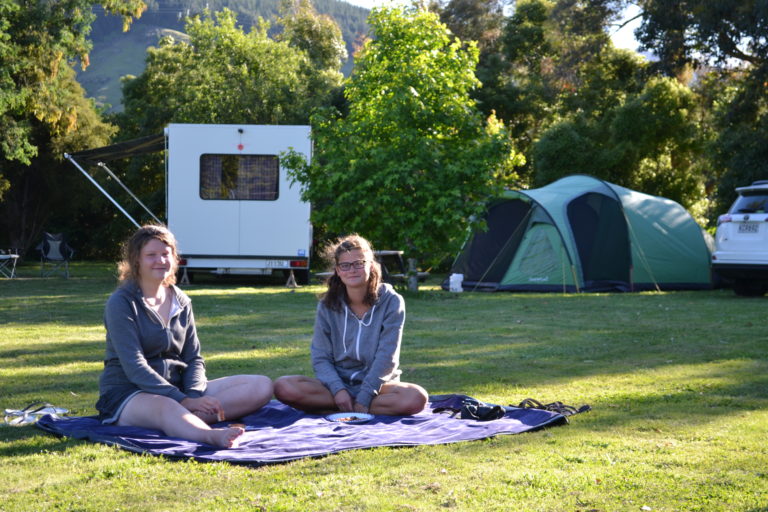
344, 400
205, 407
360, 408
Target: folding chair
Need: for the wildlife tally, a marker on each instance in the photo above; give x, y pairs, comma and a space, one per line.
8, 263
54, 254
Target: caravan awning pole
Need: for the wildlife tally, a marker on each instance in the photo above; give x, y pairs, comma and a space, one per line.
104, 166
69, 157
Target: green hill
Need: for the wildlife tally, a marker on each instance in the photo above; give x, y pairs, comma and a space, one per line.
116, 53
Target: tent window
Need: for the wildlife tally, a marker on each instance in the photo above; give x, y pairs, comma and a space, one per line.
239, 177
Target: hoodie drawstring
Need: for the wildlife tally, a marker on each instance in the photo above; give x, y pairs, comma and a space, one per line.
360, 324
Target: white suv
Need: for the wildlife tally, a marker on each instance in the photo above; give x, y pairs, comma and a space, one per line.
741, 242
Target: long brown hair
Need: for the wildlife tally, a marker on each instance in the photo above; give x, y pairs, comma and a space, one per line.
128, 267
336, 294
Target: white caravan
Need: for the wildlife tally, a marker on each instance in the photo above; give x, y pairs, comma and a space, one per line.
228, 200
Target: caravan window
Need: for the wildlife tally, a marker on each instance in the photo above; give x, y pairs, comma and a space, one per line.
240, 177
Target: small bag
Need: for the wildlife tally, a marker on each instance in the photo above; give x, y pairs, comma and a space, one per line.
472, 409
476, 410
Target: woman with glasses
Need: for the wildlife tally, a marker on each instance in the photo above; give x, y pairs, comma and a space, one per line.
356, 343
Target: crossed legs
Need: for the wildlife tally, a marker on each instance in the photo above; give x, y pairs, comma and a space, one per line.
309, 394
239, 395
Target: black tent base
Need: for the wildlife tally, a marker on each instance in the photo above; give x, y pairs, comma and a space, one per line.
591, 287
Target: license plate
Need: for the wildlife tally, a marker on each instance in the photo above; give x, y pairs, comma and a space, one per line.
749, 227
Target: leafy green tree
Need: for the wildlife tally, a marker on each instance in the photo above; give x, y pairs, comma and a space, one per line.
319, 36
36, 39
43, 111
532, 71
647, 142
570, 97
733, 36
696, 31
414, 161
474, 20
225, 75
47, 193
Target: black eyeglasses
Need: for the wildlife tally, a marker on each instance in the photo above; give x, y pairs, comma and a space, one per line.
347, 265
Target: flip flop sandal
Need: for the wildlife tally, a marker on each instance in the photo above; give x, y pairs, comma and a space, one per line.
558, 407
31, 413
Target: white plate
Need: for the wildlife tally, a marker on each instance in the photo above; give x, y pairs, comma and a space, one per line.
349, 417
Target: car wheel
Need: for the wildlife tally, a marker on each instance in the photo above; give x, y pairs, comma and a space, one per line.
749, 288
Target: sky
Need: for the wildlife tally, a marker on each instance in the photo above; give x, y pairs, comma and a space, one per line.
623, 38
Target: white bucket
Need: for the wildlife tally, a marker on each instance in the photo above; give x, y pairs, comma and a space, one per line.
454, 283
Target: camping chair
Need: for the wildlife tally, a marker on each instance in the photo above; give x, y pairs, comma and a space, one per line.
8, 263
54, 254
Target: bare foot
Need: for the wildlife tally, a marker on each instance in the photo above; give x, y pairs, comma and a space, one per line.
225, 437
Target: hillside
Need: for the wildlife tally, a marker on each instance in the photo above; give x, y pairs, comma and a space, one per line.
116, 53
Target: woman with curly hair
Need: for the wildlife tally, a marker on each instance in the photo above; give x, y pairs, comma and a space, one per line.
154, 375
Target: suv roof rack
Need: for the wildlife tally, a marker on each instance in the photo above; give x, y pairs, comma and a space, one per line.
760, 182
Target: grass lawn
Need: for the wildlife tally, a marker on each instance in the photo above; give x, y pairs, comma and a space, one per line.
678, 383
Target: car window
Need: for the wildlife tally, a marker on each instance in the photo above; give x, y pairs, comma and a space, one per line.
751, 202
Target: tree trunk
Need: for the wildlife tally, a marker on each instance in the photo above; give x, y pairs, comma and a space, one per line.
413, 277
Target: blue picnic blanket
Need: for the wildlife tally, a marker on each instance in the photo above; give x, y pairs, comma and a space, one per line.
279, 433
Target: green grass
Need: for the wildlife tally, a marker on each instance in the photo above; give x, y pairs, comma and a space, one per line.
678, 383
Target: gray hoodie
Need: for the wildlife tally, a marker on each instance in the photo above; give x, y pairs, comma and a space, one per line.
364, 351
144, 355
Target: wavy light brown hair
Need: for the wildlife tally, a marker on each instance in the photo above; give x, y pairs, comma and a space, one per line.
128, 267
336, 294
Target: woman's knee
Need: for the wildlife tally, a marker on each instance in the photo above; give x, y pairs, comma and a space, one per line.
416, 399
151, 410
262, 383
286, 389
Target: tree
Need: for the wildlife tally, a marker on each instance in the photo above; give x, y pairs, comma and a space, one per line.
647, 142
46, 193
533, 66
698, 31
733, 36
474, 20
569, 97
222, 74
414, 161
318, 36
43, 111
36, 39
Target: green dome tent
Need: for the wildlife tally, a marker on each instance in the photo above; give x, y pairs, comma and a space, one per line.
582, 234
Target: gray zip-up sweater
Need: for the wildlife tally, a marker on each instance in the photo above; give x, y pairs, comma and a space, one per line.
144, 355
359, 350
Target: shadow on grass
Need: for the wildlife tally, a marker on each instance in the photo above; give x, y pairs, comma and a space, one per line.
51, 353
30, 440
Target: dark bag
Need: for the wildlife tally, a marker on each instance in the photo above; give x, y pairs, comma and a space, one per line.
476, 410
472, 409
